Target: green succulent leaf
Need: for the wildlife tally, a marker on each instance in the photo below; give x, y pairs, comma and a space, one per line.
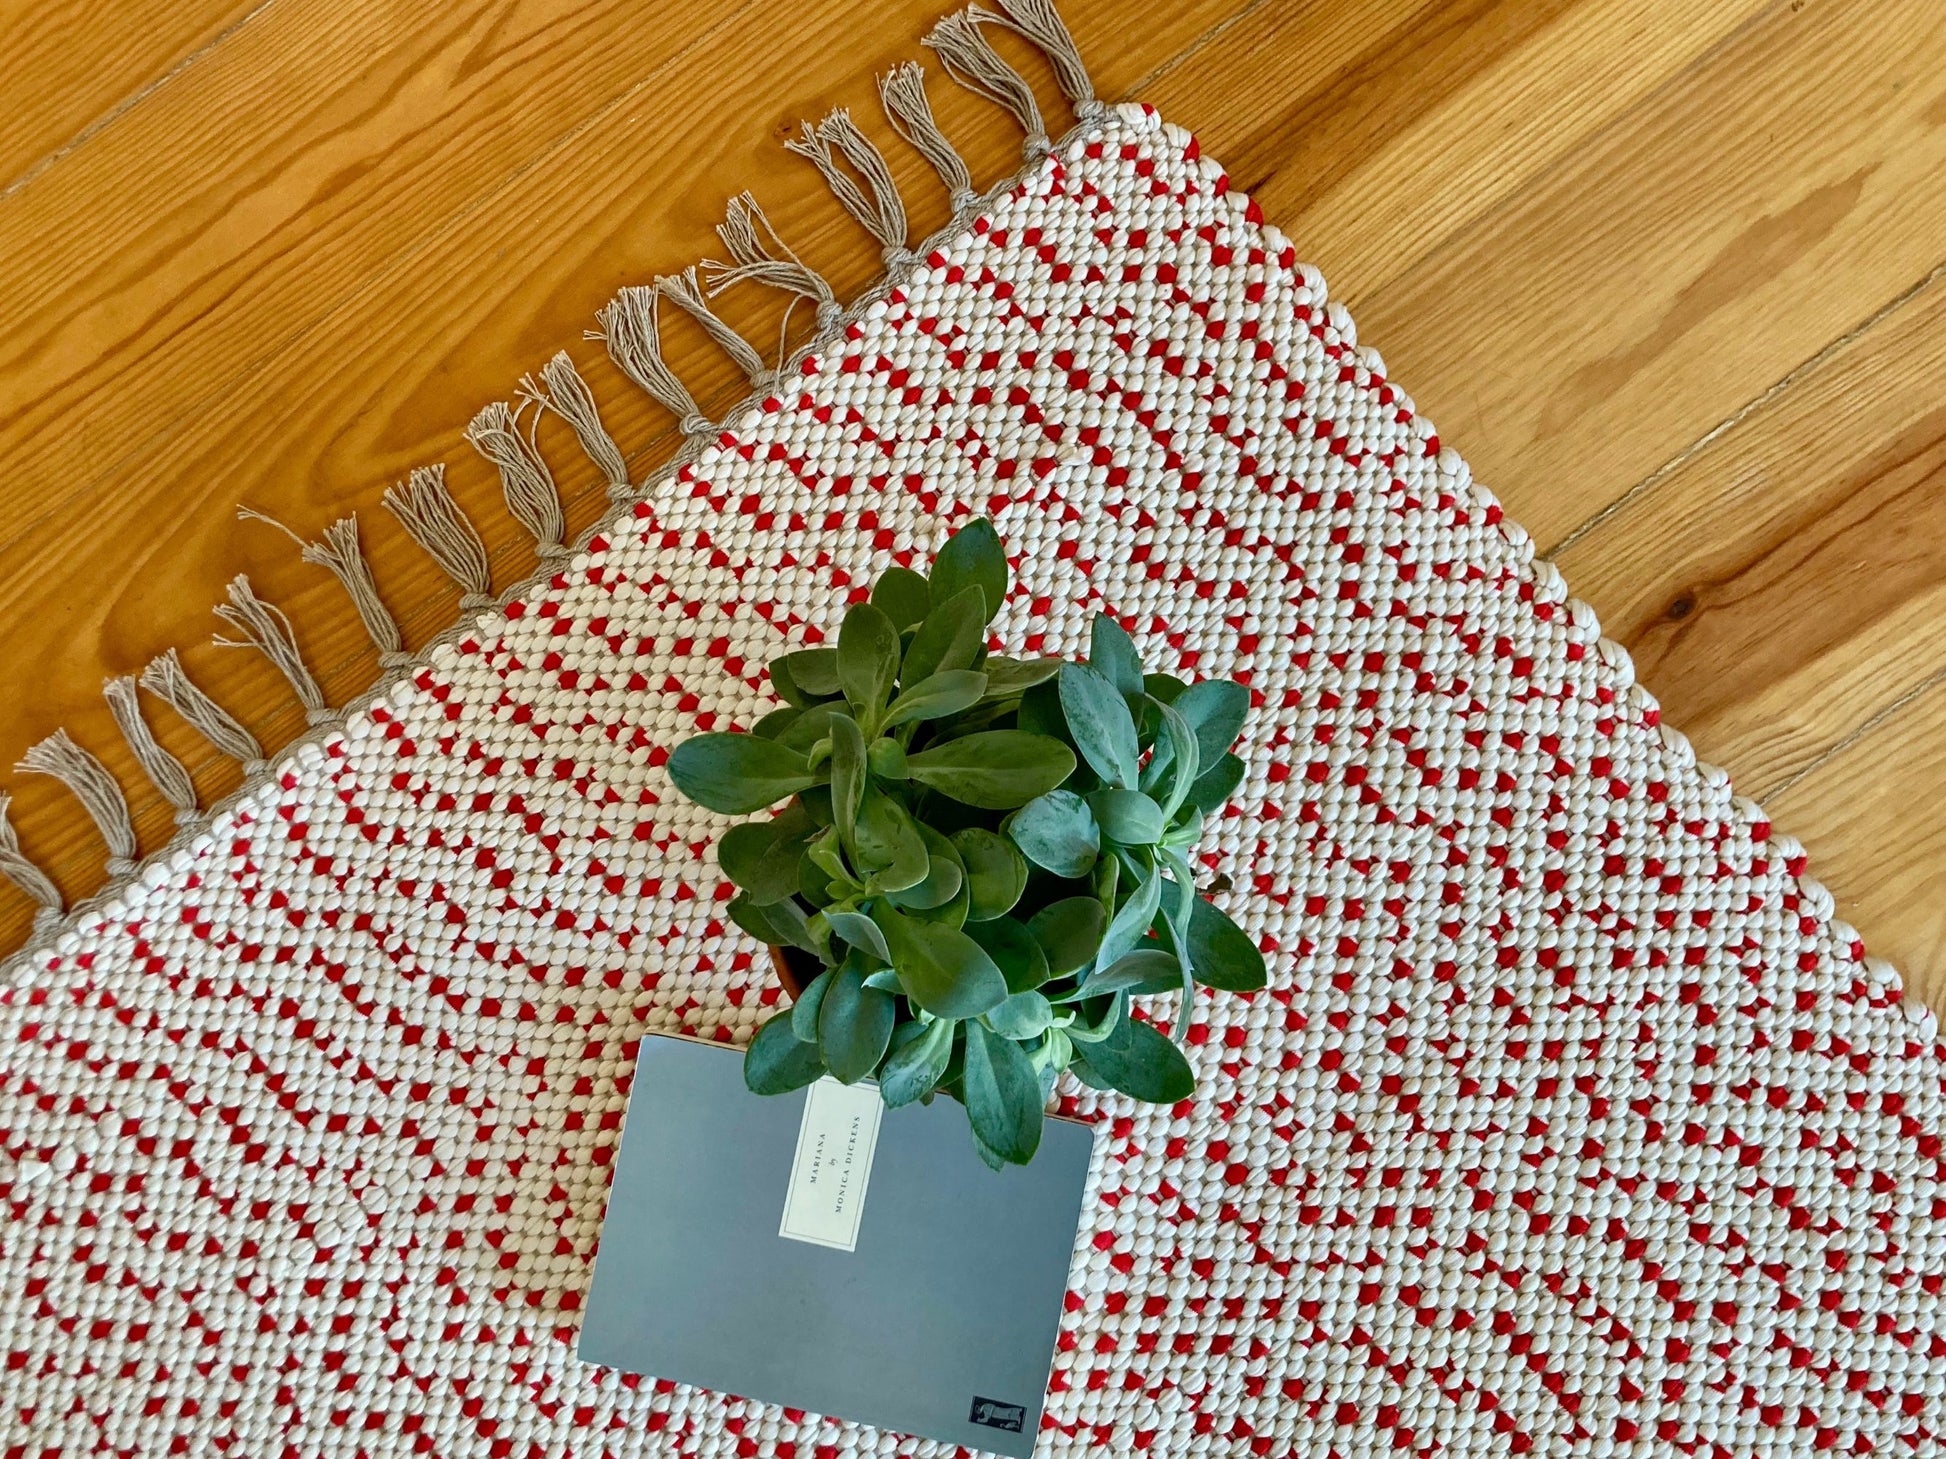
1069, 932
891, 849
1095, 1018
1215, 709
994, 769
1099, 719
854, 1025
1131, 922
943, 970
1113, 655
1221, 952
1009, 678
804, 1012
1057, 831
943, 879
913, 1069
848, 773
861, 932
1177, 760
996, 872
1139, 1061
762, 857
1145, 971
1014, 950
778, 924
810, 726
737, 774
777, 1062
813, 672
1003, 1097
886, 759
1127, 816
868, 660
1215, 786
973, 557
950, 637
936, 696
776, 722
902, 596
1023, 1016
1163, 688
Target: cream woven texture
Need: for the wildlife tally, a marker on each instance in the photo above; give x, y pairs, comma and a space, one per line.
1571, 1121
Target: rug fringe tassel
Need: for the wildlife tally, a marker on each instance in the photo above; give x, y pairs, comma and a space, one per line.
266, 628
16, 868
970, 59
877, 206
430, 516
562, 390
902, 92
631, 329
164, 770
682, 291
758, 254
340, 555
101, 797
525, 480
166, 679
1038, 21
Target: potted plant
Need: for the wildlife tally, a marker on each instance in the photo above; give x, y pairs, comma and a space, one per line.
982, 861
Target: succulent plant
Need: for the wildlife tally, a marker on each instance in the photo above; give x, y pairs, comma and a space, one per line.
987, 857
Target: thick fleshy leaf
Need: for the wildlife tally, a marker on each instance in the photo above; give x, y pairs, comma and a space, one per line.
1069, 932
1113, 655
1003, 1096
1221, 952
777, 1062
902, 595
943, 879
972, 556
812, 672
936, 696
847, 773
996, 872
994, 769
1014, 951
777, 924
951, 636
891, 849
737, 774
1177, 760
762, 857
1057, 831
1140, 1061
1024, 1015
1215, 709
861, 932
1127, 816
854, 1025
914, 1068
1007, 678
1095, 1017
776, 722
1215, 786
868, 660
886, 759
1163, 688
943, 970
1098, 718
1131, 921
1145, 971
810, 726
804, 1012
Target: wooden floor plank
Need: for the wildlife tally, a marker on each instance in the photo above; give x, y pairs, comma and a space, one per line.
1869, 816
1784, 584
64, 69
1693, 254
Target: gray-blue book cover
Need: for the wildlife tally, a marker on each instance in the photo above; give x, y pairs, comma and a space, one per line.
817, 1251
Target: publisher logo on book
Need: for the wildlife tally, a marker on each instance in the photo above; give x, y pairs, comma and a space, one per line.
1009, 1416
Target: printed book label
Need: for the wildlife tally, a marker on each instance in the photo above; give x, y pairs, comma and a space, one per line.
833, 1165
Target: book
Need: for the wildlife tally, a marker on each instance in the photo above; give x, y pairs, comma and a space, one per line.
817, 1251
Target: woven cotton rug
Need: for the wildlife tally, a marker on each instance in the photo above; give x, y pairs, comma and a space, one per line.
1571, 1122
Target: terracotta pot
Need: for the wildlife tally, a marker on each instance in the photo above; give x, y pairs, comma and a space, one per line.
795, 969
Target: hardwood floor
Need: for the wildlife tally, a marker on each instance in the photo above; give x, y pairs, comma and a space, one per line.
1665, 270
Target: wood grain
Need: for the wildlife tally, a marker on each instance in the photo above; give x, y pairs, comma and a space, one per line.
1586, 233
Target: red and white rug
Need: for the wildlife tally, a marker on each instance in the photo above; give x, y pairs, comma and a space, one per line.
1571, 1122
